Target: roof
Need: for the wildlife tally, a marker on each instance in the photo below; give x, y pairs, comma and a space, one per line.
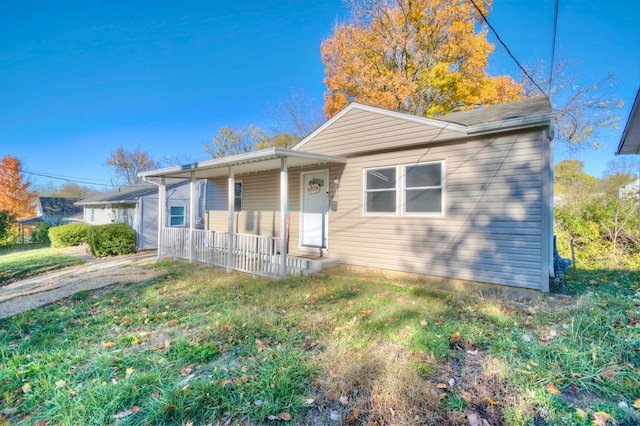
59, 205
630, 141
31, 221
528, 107
250, 162
125, 195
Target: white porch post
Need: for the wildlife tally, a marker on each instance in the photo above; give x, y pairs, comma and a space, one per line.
162, 194
284, 197
231, 191
192, 215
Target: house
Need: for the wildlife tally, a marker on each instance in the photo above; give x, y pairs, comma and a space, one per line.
52, 211
137, 206
630, 140
467, 196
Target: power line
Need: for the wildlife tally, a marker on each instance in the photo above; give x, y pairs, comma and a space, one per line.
51, 176
484, 18
553, 41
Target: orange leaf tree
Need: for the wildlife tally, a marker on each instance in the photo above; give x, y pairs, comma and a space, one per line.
15, 196
423, 57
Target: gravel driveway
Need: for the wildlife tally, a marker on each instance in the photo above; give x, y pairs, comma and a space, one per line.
40, 290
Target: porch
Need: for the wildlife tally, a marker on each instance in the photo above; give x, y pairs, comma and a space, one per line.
253, 254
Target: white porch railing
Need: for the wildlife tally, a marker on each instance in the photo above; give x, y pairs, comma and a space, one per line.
254, 254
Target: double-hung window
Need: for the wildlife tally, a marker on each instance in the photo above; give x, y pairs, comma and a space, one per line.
423, 189
177, 216
380, 191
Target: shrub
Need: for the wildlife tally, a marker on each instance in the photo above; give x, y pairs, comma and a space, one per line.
110, 240
8, 229
41, 234
69, 235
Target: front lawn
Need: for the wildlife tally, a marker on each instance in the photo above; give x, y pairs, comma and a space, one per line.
17, 264
199, 346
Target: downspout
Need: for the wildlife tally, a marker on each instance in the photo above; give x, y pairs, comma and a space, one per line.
161, 208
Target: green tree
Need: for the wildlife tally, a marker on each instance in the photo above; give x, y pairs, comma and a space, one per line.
570, 178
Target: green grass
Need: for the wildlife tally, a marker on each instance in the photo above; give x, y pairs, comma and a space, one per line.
17, 263
199, 345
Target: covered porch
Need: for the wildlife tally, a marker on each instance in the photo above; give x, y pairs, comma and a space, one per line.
255, 254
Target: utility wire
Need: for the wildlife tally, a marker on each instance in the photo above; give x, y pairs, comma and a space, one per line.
553, 41
484, 18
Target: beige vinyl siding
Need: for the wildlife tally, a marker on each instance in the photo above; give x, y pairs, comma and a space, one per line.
492, 225
362, 131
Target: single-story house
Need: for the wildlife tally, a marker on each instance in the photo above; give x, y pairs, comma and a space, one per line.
465, 196
137, 205
52, 211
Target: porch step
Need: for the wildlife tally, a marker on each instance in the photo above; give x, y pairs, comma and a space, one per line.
305, 267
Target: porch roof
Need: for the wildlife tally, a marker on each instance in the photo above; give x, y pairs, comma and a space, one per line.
250, 162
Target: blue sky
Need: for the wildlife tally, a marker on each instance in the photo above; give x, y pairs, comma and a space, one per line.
80, 78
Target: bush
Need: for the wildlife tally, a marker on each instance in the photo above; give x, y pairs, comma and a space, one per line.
69, 235
111, 240
41, 234
8, 229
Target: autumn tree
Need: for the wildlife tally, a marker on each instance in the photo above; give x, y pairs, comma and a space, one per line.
231, 141
423, 57
570, 178
127, 164
584, 107
15, 195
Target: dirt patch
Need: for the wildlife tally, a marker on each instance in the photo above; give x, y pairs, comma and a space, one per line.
24, 295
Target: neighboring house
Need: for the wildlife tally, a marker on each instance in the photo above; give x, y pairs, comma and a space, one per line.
630, 141
466, 196
52, 211
137, 206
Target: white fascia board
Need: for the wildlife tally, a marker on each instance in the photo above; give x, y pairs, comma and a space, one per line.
247, 157
440, 124
511, 124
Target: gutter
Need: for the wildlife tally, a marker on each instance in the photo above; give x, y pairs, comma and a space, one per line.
511, 124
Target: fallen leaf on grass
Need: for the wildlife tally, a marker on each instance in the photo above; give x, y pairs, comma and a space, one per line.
636, 404
129, 371
108, 345
441, 386
601, 418
490, 401
533, 363
126, 413
455, 337
26, 388
581, 414
552, 389
285, 416
608, 373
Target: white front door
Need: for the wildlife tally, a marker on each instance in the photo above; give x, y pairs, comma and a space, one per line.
315, 204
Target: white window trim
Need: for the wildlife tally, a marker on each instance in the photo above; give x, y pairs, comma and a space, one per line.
441, 187
365, 191
184, 216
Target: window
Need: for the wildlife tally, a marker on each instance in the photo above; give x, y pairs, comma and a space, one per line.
380, 190
237, 198
423, 189
176, 216
93, 215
